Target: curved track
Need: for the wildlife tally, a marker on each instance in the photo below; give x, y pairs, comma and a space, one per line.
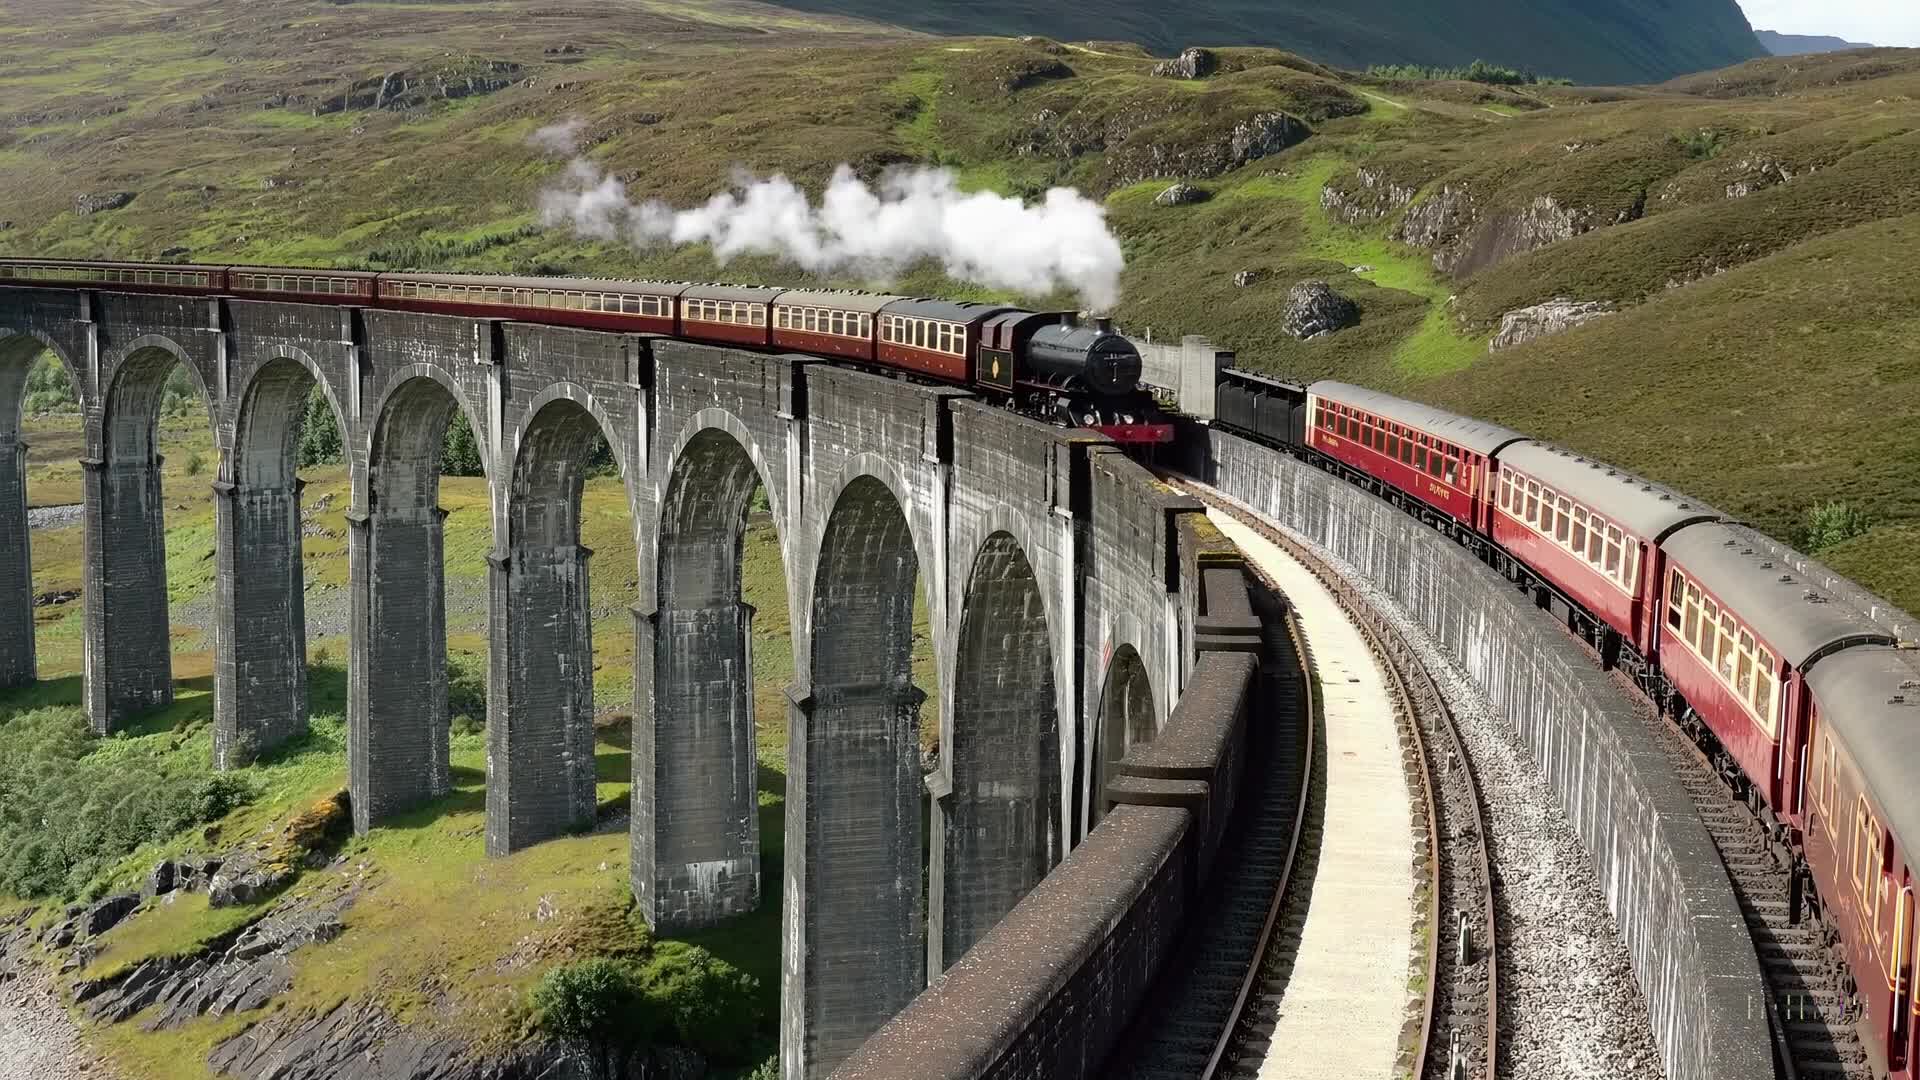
1453, 1031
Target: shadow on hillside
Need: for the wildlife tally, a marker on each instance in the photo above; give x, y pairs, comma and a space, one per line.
66, 690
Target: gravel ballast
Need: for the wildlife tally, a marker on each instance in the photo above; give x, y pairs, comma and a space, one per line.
1570, 1008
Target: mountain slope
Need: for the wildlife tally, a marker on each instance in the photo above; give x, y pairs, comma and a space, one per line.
1801, 44
1592, 41
1747, 221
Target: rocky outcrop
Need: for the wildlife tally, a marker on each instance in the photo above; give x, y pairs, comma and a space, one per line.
359, 1041
1190, 64
1371, 197
1031, 71
1263, 136
1757, 174
1245, 278
1541, 320
1315, 309
1180, 195
1502, 236
248, 877
99, 202
1133, 156
238, 972
1439, 223
398, 90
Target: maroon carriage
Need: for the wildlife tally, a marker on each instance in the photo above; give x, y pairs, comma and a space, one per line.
1860, 820
1440, 458
932, 337
828, 323
633, 306
301, 286
1592, 532
181, 278
1738, 634
734, 314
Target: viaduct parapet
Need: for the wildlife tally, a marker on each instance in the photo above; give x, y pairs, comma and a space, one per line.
1051, 568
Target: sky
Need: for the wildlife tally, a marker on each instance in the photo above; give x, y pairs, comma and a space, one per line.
1878, 22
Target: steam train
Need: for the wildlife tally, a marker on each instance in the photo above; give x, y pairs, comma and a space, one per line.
1050, 366
1803, 697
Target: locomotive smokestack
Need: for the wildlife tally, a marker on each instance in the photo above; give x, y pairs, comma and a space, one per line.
1103, 324
1070, 319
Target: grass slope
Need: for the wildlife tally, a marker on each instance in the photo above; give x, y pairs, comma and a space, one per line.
1599, 41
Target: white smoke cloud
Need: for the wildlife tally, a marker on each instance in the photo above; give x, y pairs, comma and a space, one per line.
560, 140
871, 231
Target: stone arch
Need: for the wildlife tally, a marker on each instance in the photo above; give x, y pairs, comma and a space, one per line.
1003, 818
583, 398
275, 392
18, 351
540, 747
260, 670
696, 857
854, 830
1127, 718
129, 657
403, 389
397, 695
131, 415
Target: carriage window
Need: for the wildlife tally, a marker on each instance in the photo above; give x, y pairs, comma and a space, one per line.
1563, 521
1743, 677
1533, 503
1765, 673
1579, 530
1420, 458
1723, 656
1676, 601
1704, 631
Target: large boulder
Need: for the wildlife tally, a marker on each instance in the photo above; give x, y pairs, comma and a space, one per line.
106, 914
248, 877
100, 202
1556, 316
1180, 195
1315, 309
1190, 64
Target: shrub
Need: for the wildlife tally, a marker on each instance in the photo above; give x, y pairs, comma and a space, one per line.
461, 455
596, 1003
195, 463
766, 1070
711, 1003
1831, 524
1479, 71
72, 806
319, 433
1701, 145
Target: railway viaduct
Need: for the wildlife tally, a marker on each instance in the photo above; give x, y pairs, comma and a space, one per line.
1050, 561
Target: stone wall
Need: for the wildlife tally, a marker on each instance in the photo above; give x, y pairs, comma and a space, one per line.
1657, 866
1051, 990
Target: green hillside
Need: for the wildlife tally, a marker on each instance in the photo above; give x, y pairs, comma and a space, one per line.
1594, 41
1751, 223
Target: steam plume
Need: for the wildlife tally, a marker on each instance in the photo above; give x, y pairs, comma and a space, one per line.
875, 232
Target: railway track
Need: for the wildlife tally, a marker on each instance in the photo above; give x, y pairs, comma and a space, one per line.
1807, 1006
1458, 1021
1196, 1003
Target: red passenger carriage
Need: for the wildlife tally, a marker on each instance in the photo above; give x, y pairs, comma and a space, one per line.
1861, 819
1738, 635
1592, 532
828, 323
643, 307
1440, 458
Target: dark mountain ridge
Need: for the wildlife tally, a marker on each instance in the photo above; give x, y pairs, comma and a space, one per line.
1590, 41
